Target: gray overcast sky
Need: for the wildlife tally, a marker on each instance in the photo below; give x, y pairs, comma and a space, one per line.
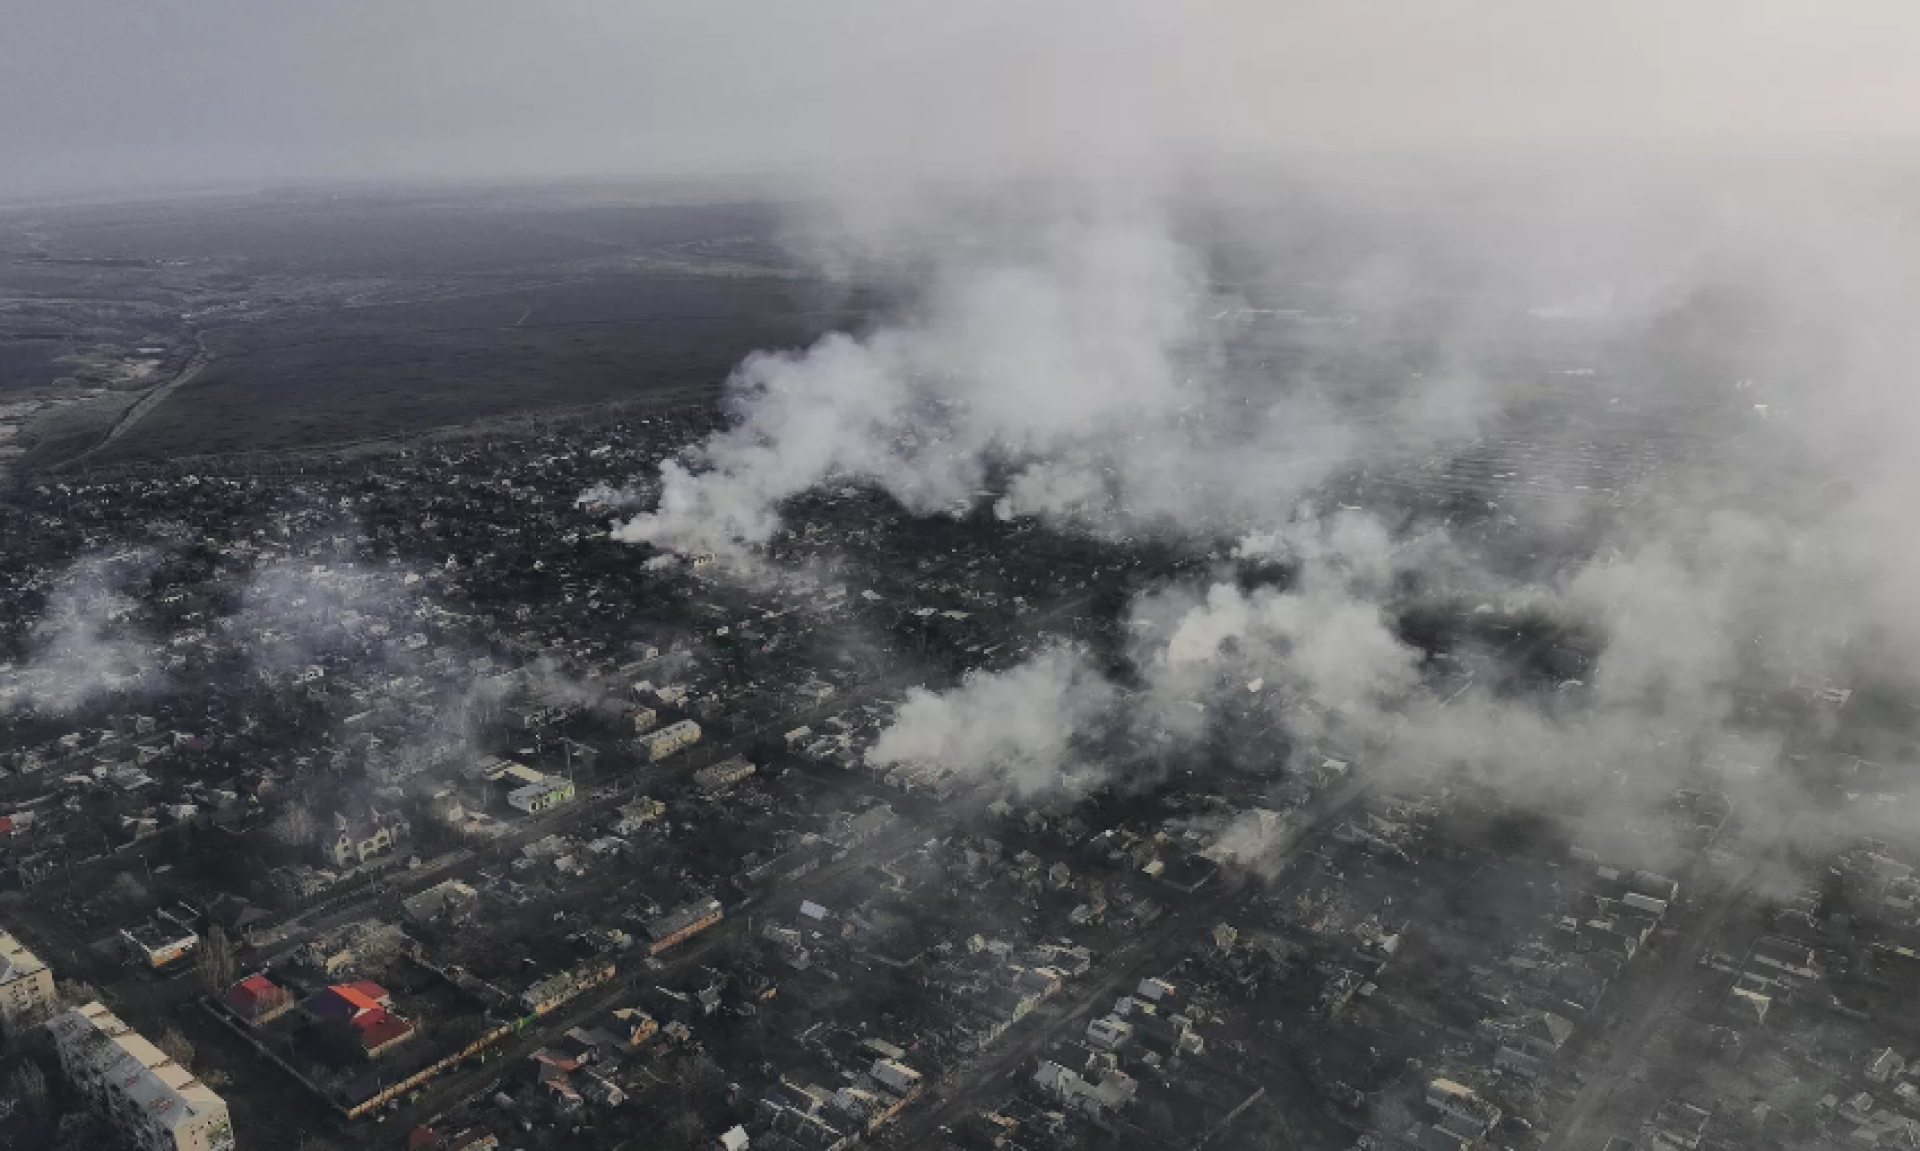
100, 95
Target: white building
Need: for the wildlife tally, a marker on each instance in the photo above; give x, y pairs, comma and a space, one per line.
357, 840
162, 940
532, 798
1109, 1032
152, 1101
1154, 990
26, 986
1099, 1100
895, 1076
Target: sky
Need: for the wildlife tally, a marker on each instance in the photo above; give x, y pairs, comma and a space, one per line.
117, 95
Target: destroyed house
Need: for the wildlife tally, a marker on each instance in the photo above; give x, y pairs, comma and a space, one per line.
354, 841
720, 776
681, 924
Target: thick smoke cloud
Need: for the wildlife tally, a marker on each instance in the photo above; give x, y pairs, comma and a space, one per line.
359, 616
1052, 365
1075, 367
1322, 654
84, 646
1083, 332
295, 613
1751, 561
1016, 728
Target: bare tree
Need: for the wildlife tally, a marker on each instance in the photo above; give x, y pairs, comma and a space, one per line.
685, 1128
295, 826
216, 962
176, 1046
128, 889
29, 1085
82, 1131
76, 992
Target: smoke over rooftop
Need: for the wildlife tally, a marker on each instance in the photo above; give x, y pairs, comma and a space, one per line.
1679, 391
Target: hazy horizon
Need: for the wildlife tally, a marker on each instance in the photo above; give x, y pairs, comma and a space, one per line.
215, 94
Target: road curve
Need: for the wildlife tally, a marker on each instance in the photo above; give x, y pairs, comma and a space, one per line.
146, 403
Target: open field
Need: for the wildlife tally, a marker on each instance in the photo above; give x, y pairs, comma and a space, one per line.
330, 319
342, 375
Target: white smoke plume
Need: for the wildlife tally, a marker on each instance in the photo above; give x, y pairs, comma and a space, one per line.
1075, 368
1047, 357
1333, 648
1321, 653
606, 497
81, 647
1084, 371
1253, 839
293, 613
546, 679
1017, 727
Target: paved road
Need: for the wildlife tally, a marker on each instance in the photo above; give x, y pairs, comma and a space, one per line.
457, 1087
153, 398
155, 995
1153, 953
568, 817
463, 1084
1651, 1005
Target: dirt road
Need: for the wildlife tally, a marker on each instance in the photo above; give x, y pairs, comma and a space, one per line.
153, 398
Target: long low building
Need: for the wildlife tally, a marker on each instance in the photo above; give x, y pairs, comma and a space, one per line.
448, 901
722, 775
549, 792
162, 940
669, 739
155, 1103
680, 924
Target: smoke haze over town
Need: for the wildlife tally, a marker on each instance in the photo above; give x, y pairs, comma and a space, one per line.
1082, 576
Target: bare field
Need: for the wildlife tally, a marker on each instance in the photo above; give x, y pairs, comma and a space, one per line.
338, 318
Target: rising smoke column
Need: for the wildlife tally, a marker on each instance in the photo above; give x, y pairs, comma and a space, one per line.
1773, 557
1321, 654
1058, 363
1016, 727
80, 647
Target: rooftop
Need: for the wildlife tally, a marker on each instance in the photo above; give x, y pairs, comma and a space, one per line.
145, 1075
16, 962
380, 1027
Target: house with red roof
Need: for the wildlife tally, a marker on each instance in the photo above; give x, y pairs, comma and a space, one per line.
380, 1029
367, 1007
257, 999
372, 992
349, 1000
